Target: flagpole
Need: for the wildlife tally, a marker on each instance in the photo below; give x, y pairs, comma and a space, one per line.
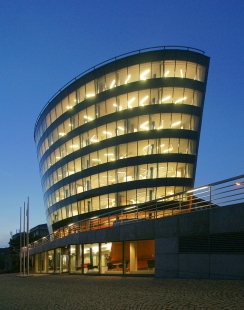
24, 242
27, 236
20, 245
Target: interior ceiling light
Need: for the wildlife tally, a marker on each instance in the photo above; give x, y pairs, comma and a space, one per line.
181, 99
88, 117
143, 125
175, 124
166, 73
121, 128
74, 146
115, 105
168, 150
62, 134
142, 76
112, 84
144, 148
107, 133
124, 156
111, 156
130, 101
143, 100
93, 140
127, 80
90, 95
69, 107
162, 167
166, 98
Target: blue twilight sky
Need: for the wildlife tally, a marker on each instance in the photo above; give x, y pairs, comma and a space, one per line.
46, 43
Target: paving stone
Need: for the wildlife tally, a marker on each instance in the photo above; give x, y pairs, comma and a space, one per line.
113, 292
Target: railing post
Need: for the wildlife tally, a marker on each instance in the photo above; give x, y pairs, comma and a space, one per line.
156, 209
210, 197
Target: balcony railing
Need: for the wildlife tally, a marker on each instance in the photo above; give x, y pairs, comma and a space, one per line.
216, 195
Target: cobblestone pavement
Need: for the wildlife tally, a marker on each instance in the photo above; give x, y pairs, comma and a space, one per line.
109, 292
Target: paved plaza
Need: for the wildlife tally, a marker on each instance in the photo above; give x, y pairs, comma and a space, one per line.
110, 292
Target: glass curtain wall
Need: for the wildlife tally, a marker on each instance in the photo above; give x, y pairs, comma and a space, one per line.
130, 257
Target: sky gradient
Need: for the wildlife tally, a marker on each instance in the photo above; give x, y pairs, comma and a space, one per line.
45, 44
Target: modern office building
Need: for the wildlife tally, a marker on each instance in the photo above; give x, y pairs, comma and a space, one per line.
123, 133
119, 137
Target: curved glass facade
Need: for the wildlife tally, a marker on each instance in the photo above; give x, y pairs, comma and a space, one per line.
122, 134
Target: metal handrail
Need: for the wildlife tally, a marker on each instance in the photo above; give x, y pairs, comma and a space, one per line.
218, 194
111, 60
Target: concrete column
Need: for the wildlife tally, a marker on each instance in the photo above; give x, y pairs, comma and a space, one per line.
99, 258
124, 256
78, 256
133, 256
